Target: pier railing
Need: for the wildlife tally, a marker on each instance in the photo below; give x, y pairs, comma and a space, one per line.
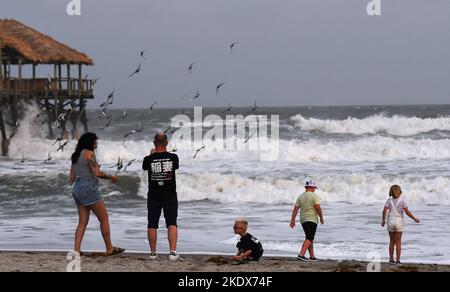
47, 88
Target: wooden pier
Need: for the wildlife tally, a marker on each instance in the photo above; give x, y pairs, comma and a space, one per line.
61, 94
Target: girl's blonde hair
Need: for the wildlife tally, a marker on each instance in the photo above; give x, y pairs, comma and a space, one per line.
395, 191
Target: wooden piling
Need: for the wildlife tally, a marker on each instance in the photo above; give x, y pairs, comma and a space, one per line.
54, 93
5, 141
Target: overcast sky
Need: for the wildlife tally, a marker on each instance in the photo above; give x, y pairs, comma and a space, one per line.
290, 52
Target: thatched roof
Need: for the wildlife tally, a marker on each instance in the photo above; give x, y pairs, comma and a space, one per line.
35, 47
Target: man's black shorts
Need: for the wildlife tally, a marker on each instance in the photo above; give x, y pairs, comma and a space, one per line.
310, 229
156, 203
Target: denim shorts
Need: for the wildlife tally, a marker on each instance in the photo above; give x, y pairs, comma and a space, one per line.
85, 191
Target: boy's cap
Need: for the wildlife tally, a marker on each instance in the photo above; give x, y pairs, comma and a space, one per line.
310, 184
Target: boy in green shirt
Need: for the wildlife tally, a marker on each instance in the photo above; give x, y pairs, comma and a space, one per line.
309, 205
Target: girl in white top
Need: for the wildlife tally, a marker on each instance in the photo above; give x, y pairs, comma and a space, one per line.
395, 224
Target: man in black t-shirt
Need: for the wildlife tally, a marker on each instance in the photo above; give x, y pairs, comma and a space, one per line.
249, 247
162, 194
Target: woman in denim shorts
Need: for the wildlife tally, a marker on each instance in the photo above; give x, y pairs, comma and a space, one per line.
85, 173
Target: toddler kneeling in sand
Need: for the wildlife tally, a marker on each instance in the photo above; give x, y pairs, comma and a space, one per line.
250, 248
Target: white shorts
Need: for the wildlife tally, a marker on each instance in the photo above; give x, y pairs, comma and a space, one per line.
395, 224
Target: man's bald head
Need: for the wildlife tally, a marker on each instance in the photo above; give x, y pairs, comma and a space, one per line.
160, 140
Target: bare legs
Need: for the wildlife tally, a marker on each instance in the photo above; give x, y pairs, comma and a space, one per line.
152, 238
395, 243
83, 215
172, 235
99, 209
308, 245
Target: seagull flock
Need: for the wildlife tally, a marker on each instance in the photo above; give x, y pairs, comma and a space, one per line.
104, 107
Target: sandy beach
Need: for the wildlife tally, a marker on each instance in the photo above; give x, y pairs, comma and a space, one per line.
129, 262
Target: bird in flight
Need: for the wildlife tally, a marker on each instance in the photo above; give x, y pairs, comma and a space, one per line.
139, 130
198, 151
59, 139
109, 100
232, 46
249, 137
49, 158
119, 164
136, 71
107, 125
150, 109
170, 130
190, 68
143, 54
228, 109
255, 107
128, 164
196, 96
61, 146
123, 116
218, 87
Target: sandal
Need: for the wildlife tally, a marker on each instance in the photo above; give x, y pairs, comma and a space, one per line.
115, 251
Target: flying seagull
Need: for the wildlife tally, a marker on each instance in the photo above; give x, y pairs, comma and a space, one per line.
119, 164
22, 161
198, 151
232, 46
143, 54
136, 71
150, 109
190, 68
170, 130
123, 116
107, 125
49, 158
62, 117
228, 109
109, 100
255, 107
59, 139
249, 137
139, 130
61, 146
218, 87
128, 164
196, 96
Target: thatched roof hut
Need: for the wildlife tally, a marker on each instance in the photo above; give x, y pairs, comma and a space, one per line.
32, 47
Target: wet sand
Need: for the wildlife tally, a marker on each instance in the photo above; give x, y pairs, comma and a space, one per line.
129, 262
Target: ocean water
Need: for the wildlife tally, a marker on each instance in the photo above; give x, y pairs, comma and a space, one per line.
353, 153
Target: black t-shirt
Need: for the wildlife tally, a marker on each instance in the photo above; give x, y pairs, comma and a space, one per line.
161, 172
249, 242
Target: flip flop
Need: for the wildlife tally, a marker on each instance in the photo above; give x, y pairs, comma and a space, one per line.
116, 251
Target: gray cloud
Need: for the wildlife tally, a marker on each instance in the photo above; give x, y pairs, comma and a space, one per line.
291, 52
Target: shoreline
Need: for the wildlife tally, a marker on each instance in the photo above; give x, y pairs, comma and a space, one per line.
56, 261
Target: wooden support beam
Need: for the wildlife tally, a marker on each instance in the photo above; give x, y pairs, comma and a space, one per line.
1, 59
33, 88
69, 81
20, 80
80, 81
5, 141
83, 117
59, 76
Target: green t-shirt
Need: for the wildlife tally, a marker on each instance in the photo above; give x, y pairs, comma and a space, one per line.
306, 202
